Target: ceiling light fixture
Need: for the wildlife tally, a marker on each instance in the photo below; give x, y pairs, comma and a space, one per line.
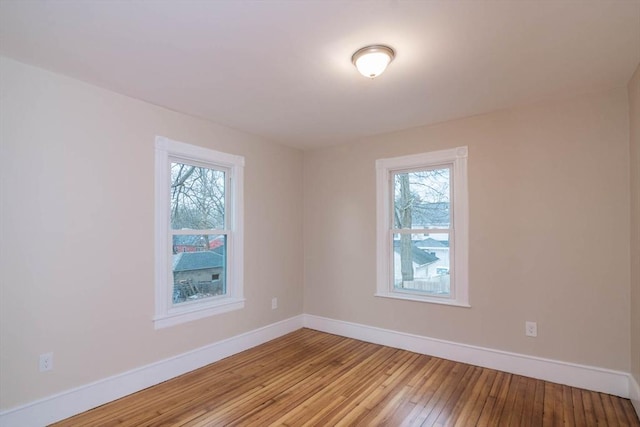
371, 61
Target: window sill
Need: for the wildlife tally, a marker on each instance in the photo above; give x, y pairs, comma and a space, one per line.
197, 311
420, 298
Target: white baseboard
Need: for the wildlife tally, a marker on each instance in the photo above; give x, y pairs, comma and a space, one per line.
634, 393
587, 377
71, 402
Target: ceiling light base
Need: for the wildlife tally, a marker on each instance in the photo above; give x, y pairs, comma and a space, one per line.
371, 61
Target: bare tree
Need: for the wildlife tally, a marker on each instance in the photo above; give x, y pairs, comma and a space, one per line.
403, 211
423, 195
197, 198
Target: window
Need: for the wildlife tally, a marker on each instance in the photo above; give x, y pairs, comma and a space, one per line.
422, 227
199, 196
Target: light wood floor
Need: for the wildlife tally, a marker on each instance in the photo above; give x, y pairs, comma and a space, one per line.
317, 379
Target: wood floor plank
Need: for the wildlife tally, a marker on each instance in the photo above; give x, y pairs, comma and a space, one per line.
470, 413
558, 407
258, 388
463, 400
238, 377
372, 400
447, 372
459, 373
589, 411
268, 391
578, 408
629, 411
501, 400
283, 398
459, 398
538, 405
508, 407
488, 409
609, 410
381, 412
516, 413
427, 391
567, 406
621, 416
325, 397
528, 397
358, 391
598, 407
309, 378
406, 405
548, 412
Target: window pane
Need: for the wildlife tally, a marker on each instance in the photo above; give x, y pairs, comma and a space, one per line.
197, 197
421, 199
421, 263
199, 266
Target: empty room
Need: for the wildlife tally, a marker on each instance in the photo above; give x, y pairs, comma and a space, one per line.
319, 213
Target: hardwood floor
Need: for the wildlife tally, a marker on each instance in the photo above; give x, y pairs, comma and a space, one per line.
309, 378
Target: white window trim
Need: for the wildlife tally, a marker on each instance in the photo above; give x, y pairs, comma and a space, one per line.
457, 159
165, 313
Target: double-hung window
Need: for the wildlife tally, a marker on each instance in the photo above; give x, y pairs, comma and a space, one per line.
422, 227
199, 202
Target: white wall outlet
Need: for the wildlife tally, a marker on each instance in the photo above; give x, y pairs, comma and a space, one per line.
531, 329
274, 303
46, 362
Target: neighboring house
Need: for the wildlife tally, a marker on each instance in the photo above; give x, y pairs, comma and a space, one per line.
194, 243
198, 274
431, 274
420, 259
440, 248
433, 215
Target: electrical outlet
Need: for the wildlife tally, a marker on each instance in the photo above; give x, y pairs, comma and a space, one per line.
531, 329
274, 303
46, 362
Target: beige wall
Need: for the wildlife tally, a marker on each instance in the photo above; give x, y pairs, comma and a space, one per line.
549, 231
549, 241
77, 233
634, 155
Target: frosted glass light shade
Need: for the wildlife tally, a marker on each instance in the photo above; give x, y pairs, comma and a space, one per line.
371, 61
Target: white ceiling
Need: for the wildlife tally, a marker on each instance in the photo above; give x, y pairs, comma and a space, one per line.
282, 69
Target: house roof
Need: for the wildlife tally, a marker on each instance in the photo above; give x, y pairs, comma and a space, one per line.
196, 240
420, 256
187, 240
432, 243
186, 261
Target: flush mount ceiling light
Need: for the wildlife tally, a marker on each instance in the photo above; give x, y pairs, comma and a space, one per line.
371, 61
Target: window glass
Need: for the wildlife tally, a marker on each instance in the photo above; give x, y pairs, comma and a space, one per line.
198, 232
422, 263
421, 199
197, 197
422, 227
199, 264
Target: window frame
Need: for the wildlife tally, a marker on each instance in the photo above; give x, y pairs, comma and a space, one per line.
456, 159
166, 312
